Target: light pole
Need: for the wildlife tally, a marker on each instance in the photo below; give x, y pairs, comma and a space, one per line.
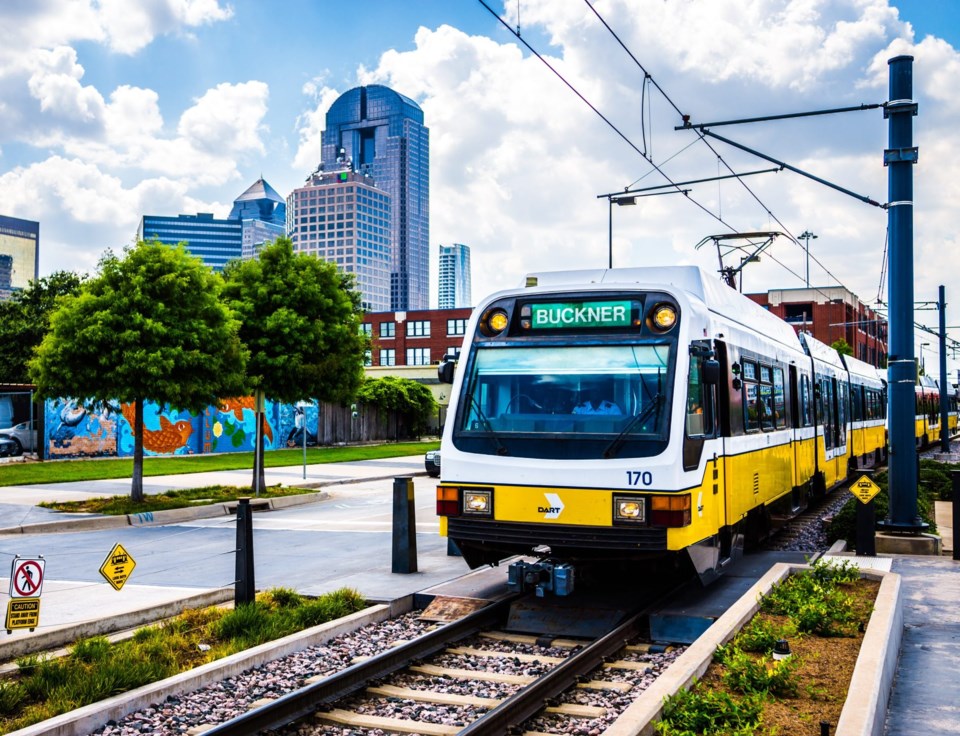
621, 201
923, 345
806, 235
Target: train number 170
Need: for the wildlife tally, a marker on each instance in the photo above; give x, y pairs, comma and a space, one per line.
639, 478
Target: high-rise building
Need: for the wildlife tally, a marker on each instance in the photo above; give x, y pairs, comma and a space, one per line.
258, 215
263, 216
454, 284
341, 217
382, 135
213, 240
20, 243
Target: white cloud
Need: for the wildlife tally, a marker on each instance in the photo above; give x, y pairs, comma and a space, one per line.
227, 120
310, 124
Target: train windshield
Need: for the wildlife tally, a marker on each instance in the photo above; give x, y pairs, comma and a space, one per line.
566, 401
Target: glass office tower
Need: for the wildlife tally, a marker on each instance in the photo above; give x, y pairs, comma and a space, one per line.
454, 284
19, 254
263, 216
380, 134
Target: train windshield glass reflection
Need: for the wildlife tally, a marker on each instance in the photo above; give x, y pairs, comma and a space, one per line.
566, 394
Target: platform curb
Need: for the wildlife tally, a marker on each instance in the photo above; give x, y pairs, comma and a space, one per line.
866, 704
92, 717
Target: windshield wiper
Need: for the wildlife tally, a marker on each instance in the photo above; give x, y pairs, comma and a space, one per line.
614, 446
501, 450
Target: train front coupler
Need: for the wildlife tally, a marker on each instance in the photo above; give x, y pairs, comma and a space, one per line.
542, 577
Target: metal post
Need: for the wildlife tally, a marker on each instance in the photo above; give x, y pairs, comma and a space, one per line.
944, 387
866, 526
404, 527
244, 589
609, 232
900, 158
955, 481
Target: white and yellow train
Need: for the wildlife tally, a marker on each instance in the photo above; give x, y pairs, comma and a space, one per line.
601, 419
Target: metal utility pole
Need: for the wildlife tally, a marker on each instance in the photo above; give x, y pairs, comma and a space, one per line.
901, 370
944, 386
806, 235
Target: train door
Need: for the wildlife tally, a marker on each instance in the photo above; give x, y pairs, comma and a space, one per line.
843, 415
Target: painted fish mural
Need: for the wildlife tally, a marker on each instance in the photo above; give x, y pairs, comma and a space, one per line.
236, 406
168, 439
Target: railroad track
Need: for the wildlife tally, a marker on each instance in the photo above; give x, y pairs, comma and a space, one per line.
467, 677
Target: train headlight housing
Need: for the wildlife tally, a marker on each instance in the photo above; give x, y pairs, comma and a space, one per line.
670, 510
494, 322
663, 317
629, 509
478, 503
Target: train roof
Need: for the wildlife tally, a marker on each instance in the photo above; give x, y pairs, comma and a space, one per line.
714, 293
821, 351
857, 367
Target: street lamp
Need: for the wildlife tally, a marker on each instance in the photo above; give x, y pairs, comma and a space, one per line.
806, 235
620, 201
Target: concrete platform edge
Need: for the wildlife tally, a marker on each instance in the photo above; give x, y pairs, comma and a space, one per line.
10, 650
872, 678
94, 716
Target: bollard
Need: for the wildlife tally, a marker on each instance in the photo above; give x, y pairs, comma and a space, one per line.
955, 481
244, 589
824, 728
866, 526
404, 527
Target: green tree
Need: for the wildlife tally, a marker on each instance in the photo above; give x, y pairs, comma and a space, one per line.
412, 401
25, 319
842, 347
300, 320
148, 326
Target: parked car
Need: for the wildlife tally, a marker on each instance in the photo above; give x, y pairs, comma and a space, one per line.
431, 462
23, 435
8, 447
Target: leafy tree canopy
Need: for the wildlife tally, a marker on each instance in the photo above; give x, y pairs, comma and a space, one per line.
148, 326
24, 320
842, 347
300, 320
411, 400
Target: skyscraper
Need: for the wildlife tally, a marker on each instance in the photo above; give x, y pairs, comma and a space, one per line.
19, 254
263, 217
454, 268
381, 133
341, 217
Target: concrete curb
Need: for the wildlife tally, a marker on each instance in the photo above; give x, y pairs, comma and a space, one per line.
91, 717
865, 708
190, 513
13, 648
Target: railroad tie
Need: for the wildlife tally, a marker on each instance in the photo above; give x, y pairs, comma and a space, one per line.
401, 725
429, 669
519, 657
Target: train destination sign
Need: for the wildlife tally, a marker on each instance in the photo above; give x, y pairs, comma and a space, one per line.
864, 489
23, 613
580, 314
117, 567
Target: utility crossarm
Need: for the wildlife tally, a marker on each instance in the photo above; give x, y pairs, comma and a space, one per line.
786, 116
684, 183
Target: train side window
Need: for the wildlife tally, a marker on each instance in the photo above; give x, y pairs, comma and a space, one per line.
806, 404
779, 399
751, 397
700, 402
765, 405
825, 404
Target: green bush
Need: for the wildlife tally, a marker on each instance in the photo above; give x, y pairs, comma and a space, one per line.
749, 675
699, 712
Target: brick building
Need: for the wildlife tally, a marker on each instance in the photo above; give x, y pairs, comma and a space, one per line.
831, 313
414, 338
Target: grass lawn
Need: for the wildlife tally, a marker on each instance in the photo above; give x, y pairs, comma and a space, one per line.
64, 471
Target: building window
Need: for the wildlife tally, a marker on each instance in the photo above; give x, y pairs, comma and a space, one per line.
453, 352
388, 329
456, 327
388, 356
419, 328
367, 358
366, 329
418, 356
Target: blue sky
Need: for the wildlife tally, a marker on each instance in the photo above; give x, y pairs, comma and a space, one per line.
110, 109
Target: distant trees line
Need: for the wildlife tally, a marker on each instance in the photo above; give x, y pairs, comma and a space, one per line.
156, 324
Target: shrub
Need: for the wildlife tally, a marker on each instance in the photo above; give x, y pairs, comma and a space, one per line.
699, 712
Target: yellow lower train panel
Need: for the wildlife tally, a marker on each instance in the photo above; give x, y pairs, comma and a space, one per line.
757, 477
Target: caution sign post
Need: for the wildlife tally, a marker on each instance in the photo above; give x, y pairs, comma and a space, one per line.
23, 613
117, 567
864, 489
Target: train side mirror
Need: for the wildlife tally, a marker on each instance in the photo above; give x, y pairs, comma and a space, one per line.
710, 372
445, 371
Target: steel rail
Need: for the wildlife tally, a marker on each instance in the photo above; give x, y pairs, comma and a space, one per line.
307, 700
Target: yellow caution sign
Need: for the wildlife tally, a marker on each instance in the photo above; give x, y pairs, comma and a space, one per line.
864, 489
117, 567
23, 613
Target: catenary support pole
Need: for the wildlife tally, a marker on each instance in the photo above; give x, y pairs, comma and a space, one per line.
901, 367
404, 527
944, 386
244, 588
955, 481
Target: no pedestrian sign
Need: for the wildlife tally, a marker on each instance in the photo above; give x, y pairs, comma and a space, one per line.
26, 577
864, 489
117, 567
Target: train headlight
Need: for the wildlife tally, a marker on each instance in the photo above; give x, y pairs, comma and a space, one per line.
670, 510
629, 509
663, 317
478, 503
494, 322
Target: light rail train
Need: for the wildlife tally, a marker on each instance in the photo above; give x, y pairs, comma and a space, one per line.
607, 421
